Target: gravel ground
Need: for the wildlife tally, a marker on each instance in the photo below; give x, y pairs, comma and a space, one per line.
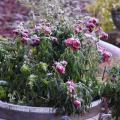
10, 12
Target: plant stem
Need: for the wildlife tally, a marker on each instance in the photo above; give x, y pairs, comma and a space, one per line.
104, 73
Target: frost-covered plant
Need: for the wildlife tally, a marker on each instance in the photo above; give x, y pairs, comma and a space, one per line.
53, 66
45, 9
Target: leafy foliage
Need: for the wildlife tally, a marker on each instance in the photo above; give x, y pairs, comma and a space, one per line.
2, 93
37, 73
112, 91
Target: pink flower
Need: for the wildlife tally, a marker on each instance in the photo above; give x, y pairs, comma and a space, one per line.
64, 63
106, 56
60, 69
71, 86
47, 30
70, 83
101, 49
94, 21
25, 40
35, 40
69, 42
90, 26
78, 29
73, 43
24, 34
71, 89
103, 36
76, 44
77, 104
38, 28
60, 66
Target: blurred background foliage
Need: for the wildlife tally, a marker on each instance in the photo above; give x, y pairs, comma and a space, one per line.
56, 10
51, 10
102, 10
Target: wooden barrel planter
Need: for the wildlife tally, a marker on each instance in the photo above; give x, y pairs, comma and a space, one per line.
17, 112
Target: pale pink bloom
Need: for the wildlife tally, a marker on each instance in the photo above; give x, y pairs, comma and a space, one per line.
64, 63
24, 34
68, 82
25, 40
101, 49
90, 26
35, 40
38, 28
60, 69
76, 44
78, 29
47, 30
77, 104
73, 43
71, 86
106, 56
94, 21
103, 36
71, 89
71, 83
69, 42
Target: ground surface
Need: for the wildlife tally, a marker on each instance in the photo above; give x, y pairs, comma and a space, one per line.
10, 12
94, 118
